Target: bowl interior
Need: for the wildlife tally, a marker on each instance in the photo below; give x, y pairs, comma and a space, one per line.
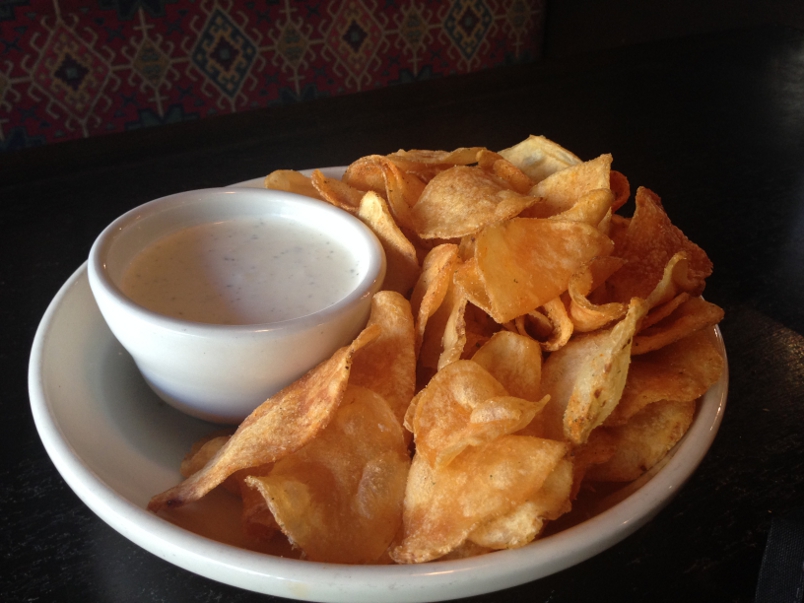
141, 227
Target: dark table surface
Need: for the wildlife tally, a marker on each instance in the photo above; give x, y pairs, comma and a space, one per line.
714, 124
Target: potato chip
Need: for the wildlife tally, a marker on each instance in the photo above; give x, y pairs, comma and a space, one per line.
432, 286
586, 377
365, 174
515, 178
201, 453
283, 423
256, 518
681, 371
291, 181
462, 200
539, 157
590, 208
440, 415
561, 190
693, 315
403, 191
400, 254
598, 448
336, 192
339, 498
648, 245
526, 521
453, 335
621, 188
443, 506
587, 316
675, 279
515, 361
387, 365
556, 312
661, 312
414, 159
524, 263
644, 440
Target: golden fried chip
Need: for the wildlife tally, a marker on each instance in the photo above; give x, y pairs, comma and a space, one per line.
201, 452
339, 498
621, 188
586, 377
387, 365
432, 286
515, 178
526, 521
291, 181
693, 315
524, 263
515, 361
453, 335
590, 208
539, 157
648, 245
443, 506
365, 174
675, 279
283, 423
681, 371
561, 190
556, 312
400, 254
440, 415
587, 316
409, 160
336, 192
462, 200
644, 440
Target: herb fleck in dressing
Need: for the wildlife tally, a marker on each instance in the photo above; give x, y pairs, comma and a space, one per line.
242, 271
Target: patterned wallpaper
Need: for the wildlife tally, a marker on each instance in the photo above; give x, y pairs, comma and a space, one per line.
72, 69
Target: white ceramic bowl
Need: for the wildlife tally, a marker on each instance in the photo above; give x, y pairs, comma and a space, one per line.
222, 372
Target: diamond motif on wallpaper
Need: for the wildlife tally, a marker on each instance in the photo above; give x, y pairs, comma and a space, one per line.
69, 72
292, 44
413, 28
467, 23
151, 63
224, 54
354, 37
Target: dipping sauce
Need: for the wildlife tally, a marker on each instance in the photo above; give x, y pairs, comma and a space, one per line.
242, 271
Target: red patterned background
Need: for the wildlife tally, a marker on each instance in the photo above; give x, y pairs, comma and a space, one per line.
71, 69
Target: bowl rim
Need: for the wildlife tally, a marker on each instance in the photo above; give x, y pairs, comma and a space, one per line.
101, 283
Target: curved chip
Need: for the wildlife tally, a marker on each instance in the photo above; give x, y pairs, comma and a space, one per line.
339, 498
539, 157
681, 371
283, 423
291, 181
462, 200
524, 263
403, 264
644, 440
586, 377
443, 506
387, 365
648, 244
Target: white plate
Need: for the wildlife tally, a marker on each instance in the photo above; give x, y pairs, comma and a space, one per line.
116, 445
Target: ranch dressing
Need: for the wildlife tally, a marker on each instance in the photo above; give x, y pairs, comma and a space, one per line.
242, 271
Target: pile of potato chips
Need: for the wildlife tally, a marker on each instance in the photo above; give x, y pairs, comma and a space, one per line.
529, 344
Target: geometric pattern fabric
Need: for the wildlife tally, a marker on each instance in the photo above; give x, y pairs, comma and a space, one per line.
71, 69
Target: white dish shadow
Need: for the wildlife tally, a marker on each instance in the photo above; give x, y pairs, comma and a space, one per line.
116, 445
